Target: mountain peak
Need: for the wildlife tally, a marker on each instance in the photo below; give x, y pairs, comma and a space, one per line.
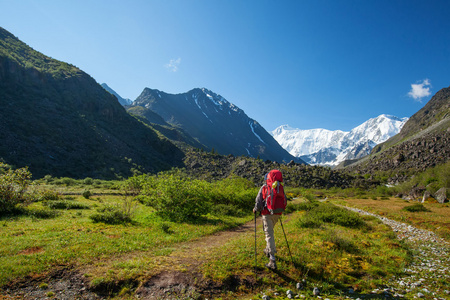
215, 122
327, 147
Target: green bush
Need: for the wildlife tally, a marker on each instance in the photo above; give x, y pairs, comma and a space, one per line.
237, 192
434, 179
88, 181
48, 178
329, 213
64, 204
47, 195
165, 227
341, 243
416, 208
110, 215
303, 206
40, 213
13, 187
310, 222
310, 197
226, 210
87, 194
177, 198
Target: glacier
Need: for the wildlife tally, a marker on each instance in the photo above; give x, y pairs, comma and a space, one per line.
331, 147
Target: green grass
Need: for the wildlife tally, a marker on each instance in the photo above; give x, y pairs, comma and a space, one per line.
416, 208
341, 250
436, 218
331, 256
33, 245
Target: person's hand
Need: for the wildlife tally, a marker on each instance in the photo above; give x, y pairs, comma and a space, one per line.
254, 211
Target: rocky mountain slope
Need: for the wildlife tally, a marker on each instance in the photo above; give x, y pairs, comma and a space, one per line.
208, 166
422, 143
326, 147
212, 121
121, 100
58, 120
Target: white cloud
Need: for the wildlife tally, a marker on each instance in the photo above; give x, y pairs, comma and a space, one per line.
172, 66
420, 90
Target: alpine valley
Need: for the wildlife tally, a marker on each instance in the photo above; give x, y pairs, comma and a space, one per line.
326, 147
59, 121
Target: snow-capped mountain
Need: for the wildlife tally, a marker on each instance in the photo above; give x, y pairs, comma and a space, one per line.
326, 147
213, 121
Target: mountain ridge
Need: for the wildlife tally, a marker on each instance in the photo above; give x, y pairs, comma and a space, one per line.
327, 147
218, 124
57, 120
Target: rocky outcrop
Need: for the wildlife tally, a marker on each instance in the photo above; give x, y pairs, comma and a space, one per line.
441, 195
407, 158
420, 193
210, 166
421, 144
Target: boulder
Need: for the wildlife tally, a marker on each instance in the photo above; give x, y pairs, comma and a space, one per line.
427, 197
416, 193
441, 195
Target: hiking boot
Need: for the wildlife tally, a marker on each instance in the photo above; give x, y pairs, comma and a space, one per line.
271, 265
267, 252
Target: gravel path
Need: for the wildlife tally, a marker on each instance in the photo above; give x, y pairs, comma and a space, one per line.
428, 274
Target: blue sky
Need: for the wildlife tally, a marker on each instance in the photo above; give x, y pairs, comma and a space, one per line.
311, 64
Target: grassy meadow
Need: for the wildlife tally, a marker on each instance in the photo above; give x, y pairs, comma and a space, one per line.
118, 234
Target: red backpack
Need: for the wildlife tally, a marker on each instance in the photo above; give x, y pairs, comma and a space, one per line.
274, 193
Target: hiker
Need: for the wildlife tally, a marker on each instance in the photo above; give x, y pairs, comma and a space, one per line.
271, 202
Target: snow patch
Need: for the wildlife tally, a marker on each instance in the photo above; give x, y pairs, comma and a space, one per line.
253, 130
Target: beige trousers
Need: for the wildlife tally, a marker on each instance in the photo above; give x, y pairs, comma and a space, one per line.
269, 222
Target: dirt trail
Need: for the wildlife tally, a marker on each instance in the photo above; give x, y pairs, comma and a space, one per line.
180, 275
176, 274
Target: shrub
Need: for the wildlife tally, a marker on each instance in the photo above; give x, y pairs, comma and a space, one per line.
64, 204
328, 213
110, 215
226, 210
87, 194
48, 178
177, 198
42, 213
416, 208
303, 206
165, 227
13, 187
382, 190
234, 191
135, 184
88, 181
341, 243
47, 195
68, 181
310, 197
310, 222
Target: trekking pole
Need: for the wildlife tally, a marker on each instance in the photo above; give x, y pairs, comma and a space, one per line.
289, 249
255, 244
